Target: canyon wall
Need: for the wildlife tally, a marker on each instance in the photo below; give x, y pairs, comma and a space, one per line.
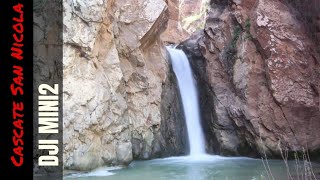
257, 65
115, 76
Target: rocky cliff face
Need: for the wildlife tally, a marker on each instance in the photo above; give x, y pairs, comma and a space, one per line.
258, 70
185, 17
115, 76
256, 63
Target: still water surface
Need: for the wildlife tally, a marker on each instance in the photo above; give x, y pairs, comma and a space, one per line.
188, 168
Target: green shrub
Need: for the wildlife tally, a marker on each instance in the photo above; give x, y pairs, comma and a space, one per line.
247, 26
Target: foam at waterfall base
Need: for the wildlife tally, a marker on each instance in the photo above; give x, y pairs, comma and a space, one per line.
99, 172
201, 158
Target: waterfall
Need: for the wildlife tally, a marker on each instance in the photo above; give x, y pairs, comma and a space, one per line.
189, 96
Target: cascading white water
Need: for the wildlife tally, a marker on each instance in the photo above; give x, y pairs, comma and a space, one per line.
189, 96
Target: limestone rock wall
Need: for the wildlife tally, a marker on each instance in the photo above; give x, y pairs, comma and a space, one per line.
115, 68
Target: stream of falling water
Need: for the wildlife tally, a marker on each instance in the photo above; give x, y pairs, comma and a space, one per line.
189, 96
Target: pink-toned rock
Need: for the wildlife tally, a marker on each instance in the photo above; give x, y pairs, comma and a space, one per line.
185, 17
174, 32
259, 76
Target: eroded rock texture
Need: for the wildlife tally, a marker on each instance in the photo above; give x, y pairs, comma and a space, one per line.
256, 62
115, 72
185, 17
258, 70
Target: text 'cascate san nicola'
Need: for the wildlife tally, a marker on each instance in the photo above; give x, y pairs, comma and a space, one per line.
16, 86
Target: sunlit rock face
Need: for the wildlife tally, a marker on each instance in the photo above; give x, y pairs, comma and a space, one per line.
185, 17
258, 70
115, 75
